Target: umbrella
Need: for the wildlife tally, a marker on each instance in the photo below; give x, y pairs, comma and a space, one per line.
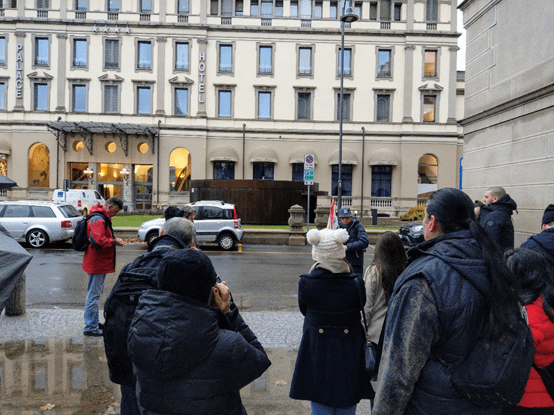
6, 183
14, 260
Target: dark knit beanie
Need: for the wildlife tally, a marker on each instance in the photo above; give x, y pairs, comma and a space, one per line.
173, 212
187, 272
548, 216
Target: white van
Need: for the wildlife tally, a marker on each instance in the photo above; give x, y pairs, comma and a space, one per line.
81, 199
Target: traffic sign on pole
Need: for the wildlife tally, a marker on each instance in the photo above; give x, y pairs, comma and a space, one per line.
309, 177
309, 162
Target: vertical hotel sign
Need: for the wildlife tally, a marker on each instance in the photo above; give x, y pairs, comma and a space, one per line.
19, 71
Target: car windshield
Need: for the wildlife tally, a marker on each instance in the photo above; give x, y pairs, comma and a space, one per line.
69, 211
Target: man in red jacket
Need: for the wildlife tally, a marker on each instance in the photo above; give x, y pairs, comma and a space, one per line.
99, 258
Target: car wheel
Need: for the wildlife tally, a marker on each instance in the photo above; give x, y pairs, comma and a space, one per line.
150, 238
226, 242
37, 238
84, 212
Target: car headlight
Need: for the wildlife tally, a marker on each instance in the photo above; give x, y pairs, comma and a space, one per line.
418, 228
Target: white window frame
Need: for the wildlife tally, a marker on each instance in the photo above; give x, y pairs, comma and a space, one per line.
304, 90
119, 43
338, 54
117, 84
174, 101
35, 38
346, 91
218, 51
138, 42
384, 77
312, 55
227, 88
258, 48
72, 84
175, 44
74, 40
143, 85
265, 90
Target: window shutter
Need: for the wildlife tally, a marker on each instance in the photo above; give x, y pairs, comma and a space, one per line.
432, 10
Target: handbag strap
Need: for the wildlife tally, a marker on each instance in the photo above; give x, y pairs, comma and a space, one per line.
362, 296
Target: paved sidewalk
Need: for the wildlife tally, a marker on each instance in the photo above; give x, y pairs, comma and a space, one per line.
274, 329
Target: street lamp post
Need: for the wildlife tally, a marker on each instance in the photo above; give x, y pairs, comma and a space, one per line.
347, 16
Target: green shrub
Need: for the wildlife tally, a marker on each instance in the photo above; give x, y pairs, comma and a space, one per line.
415, 213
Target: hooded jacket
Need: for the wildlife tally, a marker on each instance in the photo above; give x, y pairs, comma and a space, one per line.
357, 242
542, 242
496, 218
185, 362
434, 317
99, 258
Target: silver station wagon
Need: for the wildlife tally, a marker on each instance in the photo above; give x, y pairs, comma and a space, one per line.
39, 223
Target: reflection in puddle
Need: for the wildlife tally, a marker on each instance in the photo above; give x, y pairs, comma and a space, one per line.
63, 377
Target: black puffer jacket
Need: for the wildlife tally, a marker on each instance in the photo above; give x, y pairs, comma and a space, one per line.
496, 218
542, 242
357, 242
185, 363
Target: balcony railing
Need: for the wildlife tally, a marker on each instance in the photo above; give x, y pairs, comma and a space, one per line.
113, 16
80, 15
266, 22
385, 25
42, 14
431, 26
305, 23
182, 18
226, 21
381, 202
145, 17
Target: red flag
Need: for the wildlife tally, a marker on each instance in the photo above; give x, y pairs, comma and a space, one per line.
332, 223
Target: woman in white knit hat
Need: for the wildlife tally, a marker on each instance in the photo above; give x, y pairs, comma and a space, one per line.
329, 366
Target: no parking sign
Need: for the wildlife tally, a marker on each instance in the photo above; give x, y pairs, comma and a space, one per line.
309, 162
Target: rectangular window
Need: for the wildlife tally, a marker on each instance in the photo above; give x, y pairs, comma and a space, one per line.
346, 178
430, 68
278, 8
43, 4
318, 10
143, 100
113, 5
182, 56
81, 5
304, 61
264, 105
432, 10
254, 8
297, 172
429, 102
294, 8
305, 9
183, 7
79, 98
347, 64
304, 106
111, 54
2, 50
385, 10
384, 65
358, 9
41, 51
41, 97
267, 8
111, 99
224, 104
383, 108
146, 6
226, 7
381, 181
225, 58
263, 171
373, 10
333, 7
80, 52
345, 106
239, 8
2, 96
397, 12
181, 101
224, 170
144, 59
265, 58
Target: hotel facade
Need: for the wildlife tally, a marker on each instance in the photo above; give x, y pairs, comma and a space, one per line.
135, 98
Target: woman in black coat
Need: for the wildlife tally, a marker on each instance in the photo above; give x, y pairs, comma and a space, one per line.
329, 366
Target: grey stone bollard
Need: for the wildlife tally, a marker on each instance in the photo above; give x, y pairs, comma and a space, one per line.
321, 216
296, 223
16, 303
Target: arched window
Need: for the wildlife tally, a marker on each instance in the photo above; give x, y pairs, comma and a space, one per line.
428, 173
39, 166
179, 170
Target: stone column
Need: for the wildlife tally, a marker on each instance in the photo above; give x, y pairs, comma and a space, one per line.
161, 85
452, 76
60, 84
408, 83
296, 223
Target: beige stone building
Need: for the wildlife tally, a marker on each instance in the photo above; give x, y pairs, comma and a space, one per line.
136, 97
508, 128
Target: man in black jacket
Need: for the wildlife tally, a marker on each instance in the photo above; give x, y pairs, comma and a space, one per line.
496, 217
544, 241
357, 241
177, 233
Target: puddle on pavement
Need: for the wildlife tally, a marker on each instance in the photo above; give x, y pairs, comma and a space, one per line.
63, 377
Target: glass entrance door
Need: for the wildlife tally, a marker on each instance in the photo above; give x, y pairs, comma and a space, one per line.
143, 186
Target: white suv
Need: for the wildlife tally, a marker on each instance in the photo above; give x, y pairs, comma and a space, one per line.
38, 223
215, 221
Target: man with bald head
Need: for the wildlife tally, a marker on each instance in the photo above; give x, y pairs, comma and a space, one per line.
496, 217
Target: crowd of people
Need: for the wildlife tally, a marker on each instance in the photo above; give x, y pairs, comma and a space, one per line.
183, 348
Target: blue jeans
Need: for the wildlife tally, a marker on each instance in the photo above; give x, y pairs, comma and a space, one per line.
94, 291
129, 404
319, 409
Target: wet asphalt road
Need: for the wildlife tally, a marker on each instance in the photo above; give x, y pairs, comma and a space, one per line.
261, 277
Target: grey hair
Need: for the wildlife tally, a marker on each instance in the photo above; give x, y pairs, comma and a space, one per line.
188, 210
180, 228
497, 191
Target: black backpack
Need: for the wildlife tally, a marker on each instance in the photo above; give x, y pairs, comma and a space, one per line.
80, 239
119, 310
